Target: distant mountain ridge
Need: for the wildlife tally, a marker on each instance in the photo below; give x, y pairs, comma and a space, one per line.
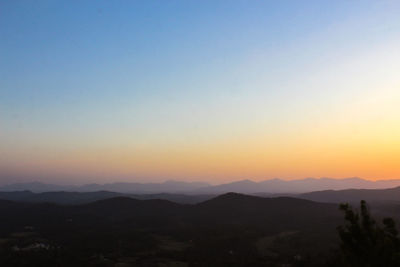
119, 187
76, 198
272, 186
354, 195
390, 195
278, 186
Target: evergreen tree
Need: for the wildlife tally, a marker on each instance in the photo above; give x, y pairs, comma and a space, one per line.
365, 243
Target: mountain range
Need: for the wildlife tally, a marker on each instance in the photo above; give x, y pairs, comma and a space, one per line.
75, 198
354, 195
229, 209
272, 186
149, 188
376, 196
275, 186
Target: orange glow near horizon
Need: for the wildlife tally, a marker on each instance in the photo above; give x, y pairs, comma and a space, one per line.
275, 92
296, 155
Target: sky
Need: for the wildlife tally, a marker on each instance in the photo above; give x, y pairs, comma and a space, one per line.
104, 91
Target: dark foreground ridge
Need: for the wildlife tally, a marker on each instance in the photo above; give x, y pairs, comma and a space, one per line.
228, 230
231, 229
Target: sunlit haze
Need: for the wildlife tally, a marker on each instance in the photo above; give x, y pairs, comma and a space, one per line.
216, 91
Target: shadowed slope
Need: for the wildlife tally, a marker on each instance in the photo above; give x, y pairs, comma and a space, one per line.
354, 195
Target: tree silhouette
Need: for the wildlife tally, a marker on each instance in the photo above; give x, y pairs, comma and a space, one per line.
366, 243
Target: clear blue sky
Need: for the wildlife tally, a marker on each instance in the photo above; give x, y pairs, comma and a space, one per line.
152, 83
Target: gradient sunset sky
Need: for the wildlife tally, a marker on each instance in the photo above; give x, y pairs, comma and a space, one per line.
103, 91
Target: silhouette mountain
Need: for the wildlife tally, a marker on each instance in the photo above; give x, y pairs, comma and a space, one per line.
273, 186
57, 197
228, 228
35, 187
73, 198
228, 208
148, 188
121, 208
234, 208
354, 195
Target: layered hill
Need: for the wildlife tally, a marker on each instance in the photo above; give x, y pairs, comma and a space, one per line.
272, 186
227, 209
354, 195
75, 198
228, 230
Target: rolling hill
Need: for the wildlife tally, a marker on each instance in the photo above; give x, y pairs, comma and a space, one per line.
272, 186
354, 195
